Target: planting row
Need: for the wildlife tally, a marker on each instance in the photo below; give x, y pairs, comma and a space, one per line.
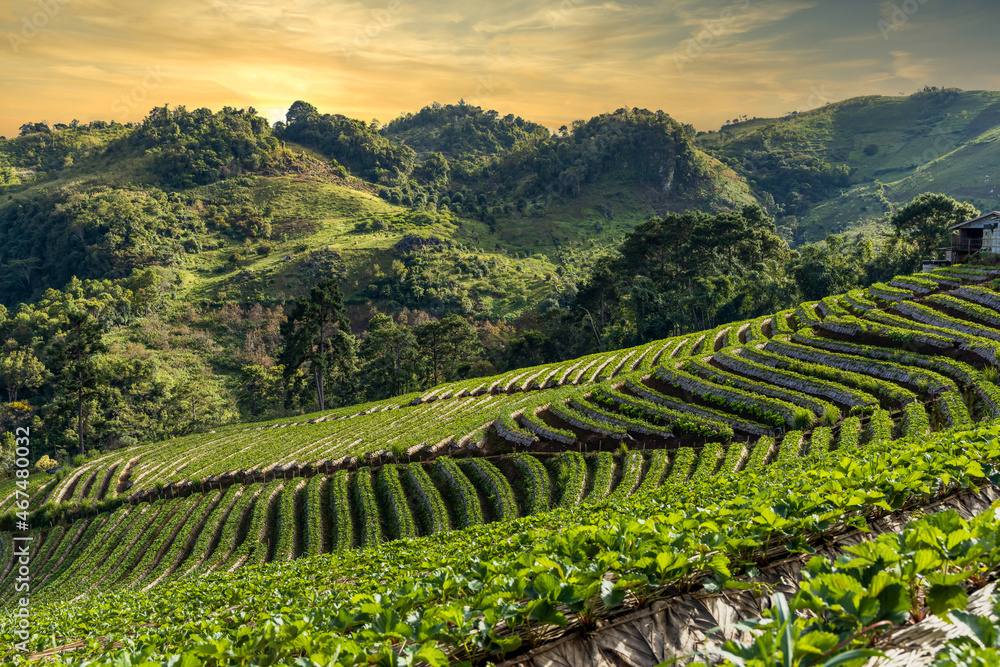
139, 546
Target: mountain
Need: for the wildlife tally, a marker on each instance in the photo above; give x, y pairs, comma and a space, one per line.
189, 190
829, 169
465, 243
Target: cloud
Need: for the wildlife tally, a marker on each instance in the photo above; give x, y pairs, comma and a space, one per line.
906, 65
551, 61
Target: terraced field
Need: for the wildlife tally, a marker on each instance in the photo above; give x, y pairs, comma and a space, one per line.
625, 434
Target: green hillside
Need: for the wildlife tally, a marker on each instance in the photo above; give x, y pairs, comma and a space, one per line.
789, 424
464, 243
849, 161
188, 190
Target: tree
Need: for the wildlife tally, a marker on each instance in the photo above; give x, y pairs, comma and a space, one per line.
76, 350
926, 218
260, 385
318, 333
389, 353
300, 111
447, 344
7, 451
21, 369
194, 401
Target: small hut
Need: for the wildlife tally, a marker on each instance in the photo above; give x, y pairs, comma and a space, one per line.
974, 235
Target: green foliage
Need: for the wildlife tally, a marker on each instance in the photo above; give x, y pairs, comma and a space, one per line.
795, 179
394, 505
458, 492
21, 370
981, 649
463, 132
732, 259
369, 527
341, 521
926, 219
431, 513
49, 236
569, 471
556, 575
352, 143
46, 463
449, 345
390, 359
500, 504
199, 147
318, 336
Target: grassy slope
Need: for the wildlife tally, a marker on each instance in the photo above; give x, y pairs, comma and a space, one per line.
942, 141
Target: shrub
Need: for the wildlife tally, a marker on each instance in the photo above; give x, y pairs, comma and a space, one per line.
46, 463
831, 416
802, 419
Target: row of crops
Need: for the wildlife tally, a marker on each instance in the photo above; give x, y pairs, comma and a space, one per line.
845, 406
496, 590
140, 545
930, 339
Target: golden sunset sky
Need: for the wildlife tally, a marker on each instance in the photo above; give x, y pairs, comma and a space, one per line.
552, 61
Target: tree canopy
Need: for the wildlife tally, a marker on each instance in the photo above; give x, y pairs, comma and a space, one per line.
318, 338
925, 220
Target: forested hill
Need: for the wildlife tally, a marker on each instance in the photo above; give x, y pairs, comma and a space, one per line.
98, 200
463, 243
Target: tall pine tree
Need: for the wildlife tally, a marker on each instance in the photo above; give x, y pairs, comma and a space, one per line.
76, 350
318, 334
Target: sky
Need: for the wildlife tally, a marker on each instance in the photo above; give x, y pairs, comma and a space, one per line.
551, 61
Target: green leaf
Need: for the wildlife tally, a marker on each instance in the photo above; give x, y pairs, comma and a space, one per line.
942, 598
610, 596
546, 585
786, 620
817, 643
546, 612
851, 656
980, 626
432, 655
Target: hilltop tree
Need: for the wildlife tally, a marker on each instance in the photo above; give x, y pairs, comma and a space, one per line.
300, 112
318, 334
926, 218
